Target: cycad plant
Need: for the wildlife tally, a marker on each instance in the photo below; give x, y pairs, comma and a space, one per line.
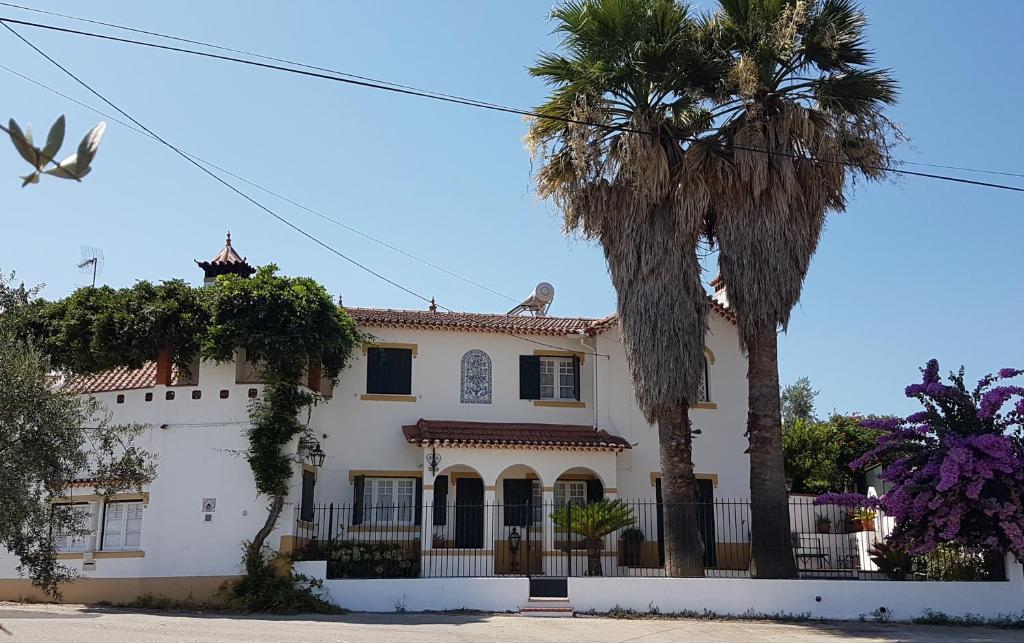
592, 522
626, 91
800, 116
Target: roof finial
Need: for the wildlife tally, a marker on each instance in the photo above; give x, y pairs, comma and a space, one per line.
340, 304
433, 305
228, 241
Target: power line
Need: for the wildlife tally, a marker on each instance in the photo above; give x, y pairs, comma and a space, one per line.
368, 82
262, 188
249, 198
209, 172
241, 51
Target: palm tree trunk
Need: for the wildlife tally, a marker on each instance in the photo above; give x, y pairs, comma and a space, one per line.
684, 548
771, 545
594, 547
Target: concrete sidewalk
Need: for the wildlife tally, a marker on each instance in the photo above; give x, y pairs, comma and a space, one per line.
103, 625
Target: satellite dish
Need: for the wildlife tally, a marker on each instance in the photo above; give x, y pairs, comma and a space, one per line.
92, 262
538, 302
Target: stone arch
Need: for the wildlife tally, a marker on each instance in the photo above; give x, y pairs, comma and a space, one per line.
475, 377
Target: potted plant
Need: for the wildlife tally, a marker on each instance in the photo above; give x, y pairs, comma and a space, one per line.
593, 521
823, 524
863, 519
894, 562
632, 546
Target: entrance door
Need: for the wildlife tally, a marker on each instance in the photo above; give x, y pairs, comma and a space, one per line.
469, 513
705, 518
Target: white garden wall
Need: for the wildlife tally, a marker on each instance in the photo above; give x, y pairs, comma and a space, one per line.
420, 594
823, 599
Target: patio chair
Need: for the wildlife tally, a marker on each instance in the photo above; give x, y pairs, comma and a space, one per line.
807, 548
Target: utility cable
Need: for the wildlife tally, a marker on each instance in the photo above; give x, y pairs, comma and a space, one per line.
262, 188
403, 89
249, 198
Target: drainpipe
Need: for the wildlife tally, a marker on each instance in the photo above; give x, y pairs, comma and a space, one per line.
593, 366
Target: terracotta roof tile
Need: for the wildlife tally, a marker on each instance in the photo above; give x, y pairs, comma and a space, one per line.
494, 323
121, 378
458, 433
480, 322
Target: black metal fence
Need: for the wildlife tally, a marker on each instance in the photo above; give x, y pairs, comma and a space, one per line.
626, 538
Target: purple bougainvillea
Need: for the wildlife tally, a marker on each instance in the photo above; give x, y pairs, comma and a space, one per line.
956, 469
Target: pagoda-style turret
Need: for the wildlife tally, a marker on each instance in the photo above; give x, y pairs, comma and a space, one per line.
226, 262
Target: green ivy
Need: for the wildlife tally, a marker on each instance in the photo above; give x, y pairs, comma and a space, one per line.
286, 324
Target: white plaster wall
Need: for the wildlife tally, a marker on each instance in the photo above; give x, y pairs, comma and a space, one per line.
838, 599
198, 456
718, 450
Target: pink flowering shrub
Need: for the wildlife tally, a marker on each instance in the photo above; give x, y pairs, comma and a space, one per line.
957, 467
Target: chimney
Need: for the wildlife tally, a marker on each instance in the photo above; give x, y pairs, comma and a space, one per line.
720, 295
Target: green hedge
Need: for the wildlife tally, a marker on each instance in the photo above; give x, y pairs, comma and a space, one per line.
355, 559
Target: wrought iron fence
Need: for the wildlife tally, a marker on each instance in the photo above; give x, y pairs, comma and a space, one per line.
551, 540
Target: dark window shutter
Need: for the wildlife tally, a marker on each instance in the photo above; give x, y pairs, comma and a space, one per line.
529, 377
441, 500
576, 377
357, 499
308, 489
595, 490
389, 371
419, 501
517, 500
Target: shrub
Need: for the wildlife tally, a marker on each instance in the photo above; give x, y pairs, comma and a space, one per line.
355, 559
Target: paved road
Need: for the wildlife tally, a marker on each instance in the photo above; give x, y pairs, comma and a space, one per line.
85, 624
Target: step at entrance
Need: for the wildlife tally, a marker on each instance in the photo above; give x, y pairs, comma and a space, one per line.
547, 607
548, 597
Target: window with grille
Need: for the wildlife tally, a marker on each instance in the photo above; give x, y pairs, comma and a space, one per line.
389, 501
703, 390
122, 526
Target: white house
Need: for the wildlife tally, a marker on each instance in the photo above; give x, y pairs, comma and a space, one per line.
455, 436
447, 408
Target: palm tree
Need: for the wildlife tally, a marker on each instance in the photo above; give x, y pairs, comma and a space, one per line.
624, 93
593, 521
800, 117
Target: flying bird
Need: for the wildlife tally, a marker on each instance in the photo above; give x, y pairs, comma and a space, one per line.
74, 167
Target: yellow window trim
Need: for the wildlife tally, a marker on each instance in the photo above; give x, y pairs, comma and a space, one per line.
565, 404
309, 467
384, 473
77, 555
713, 477
412, 347
381, 397
539, 352
709, 406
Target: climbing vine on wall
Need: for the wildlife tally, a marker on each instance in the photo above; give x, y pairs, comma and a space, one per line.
284, 324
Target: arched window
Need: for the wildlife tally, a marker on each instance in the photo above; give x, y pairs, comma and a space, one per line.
476, 378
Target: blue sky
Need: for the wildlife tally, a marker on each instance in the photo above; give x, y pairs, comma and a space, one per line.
914, 269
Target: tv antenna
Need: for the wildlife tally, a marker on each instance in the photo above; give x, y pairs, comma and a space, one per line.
92, 261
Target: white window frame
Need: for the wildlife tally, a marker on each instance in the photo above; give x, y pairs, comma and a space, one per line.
111, 519
554, 368
71, 543
537, 500
574, 491
377, 511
